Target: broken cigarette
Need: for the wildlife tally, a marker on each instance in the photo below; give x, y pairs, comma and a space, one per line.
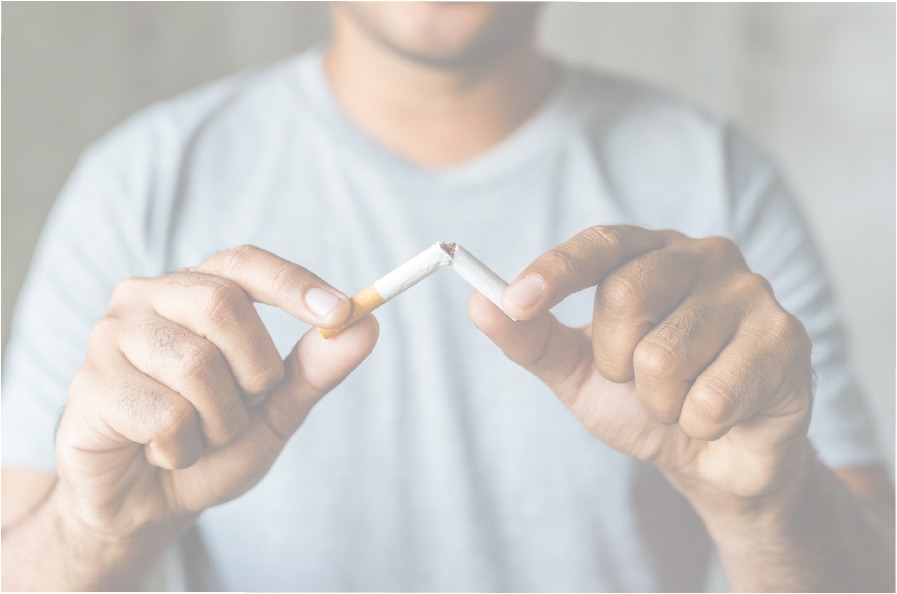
480, 276
415, 270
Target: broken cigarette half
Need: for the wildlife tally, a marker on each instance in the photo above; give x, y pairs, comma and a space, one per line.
415, 270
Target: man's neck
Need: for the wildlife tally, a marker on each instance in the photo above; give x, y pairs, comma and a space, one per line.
436, 117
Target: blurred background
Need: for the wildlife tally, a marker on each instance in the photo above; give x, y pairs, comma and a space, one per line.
812, 83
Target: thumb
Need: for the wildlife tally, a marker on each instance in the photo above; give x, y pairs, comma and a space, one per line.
558, 355
314, 367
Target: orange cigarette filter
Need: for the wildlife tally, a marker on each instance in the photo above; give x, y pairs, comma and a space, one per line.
363, 303
394, 283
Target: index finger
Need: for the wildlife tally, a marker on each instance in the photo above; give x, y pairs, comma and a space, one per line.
272, 280
580, 262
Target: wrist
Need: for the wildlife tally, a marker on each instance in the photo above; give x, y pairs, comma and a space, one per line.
74, 530
141, 522
732, 518
762, 530
117, 559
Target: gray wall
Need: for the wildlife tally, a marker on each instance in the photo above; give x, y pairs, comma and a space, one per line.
814, 83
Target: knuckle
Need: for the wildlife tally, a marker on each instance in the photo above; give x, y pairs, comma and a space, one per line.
190, 278
780, 323
604, 236
721, 247
169, 420
680, 329
127, 289
713, 404
265, 378
674, 236
721, 255
102, 334
176, 418
287, 277
235, 258
222, 303
138, 401
790, 330
165, 342
754, 284
618, 293
654, 359
612, 368
790, 326
202, 361
560, 261
105, 326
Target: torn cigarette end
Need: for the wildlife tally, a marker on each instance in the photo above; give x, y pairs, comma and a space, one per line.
363, 303
479, 276
448, 248
418, 268
393, 283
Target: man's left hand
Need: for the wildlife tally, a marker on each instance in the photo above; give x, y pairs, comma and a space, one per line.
689, 363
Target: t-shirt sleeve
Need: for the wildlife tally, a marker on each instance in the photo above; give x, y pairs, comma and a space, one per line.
91, 242
777, 244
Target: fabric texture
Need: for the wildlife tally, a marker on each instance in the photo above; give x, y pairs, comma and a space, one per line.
438, 464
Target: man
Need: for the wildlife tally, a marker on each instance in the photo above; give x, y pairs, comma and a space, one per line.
683, 382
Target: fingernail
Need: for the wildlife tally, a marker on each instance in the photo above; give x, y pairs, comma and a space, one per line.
525, 292
322, 302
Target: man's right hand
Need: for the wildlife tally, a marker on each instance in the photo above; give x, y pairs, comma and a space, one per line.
184, 402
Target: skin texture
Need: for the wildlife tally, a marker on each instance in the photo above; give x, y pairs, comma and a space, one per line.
697, 337
692, 365
689, 364
183, 403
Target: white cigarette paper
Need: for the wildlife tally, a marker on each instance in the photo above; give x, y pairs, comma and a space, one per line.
412, 272
415, 270
480, 276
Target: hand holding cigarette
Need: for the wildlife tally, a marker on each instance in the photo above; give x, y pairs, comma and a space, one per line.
184, 401
689, 362
415, 270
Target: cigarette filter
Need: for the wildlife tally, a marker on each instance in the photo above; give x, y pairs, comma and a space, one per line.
398, 281
415, 270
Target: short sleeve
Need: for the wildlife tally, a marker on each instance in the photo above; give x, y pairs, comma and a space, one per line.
91, 241
777, 244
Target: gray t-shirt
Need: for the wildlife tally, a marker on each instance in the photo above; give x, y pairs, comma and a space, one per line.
437, 465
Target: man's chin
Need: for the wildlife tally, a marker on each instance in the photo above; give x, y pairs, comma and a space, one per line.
469, 58
446, 36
